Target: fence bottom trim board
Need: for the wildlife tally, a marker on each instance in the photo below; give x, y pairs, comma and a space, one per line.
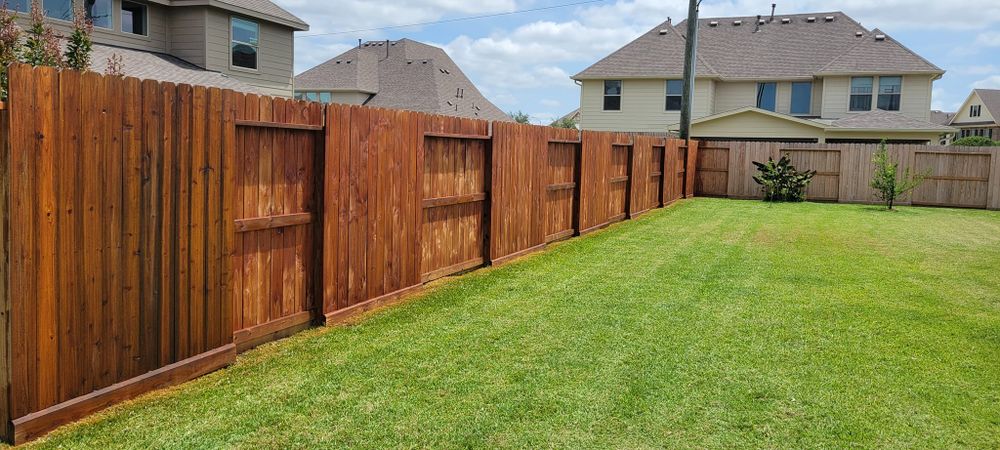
276, 329
341, 315
515, 255
594, 228
453, 269
560, 236
39, 423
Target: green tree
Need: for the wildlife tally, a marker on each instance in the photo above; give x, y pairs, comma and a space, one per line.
888, 184
976, 141
80, 45
520, 117
565, 122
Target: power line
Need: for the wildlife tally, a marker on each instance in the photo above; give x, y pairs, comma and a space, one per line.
456, 19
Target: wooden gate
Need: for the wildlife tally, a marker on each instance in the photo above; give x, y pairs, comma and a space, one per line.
956, 179
619, 191
277, 226
455, 203
712, 177
562, 195
674, 171
825, 186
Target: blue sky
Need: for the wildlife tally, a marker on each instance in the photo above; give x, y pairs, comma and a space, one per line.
523, 61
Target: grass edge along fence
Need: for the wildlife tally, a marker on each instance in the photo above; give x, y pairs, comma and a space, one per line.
965, 177
151, 231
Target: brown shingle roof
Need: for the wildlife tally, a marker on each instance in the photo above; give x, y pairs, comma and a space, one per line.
263, 9
790, 46
162, 67
991, 99
403, 74
885, 120
941, 117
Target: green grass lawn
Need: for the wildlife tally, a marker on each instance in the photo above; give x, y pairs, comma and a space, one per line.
712, 323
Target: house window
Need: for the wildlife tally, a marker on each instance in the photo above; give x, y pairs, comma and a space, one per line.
861, 93
99, 12
766, 93
802, 98
134, 18
674, 90
246, 38
612, 95
58, 9
975, 110
889, 89
19, 5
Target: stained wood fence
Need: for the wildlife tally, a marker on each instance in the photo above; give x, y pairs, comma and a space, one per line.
966, 177
151, 231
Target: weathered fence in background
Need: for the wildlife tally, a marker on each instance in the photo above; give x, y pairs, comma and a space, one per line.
967, 177
151, 231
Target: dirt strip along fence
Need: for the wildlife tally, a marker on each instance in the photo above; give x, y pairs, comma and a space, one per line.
966, 177
152, 231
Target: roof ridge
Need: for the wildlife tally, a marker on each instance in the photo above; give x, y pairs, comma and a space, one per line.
622, 48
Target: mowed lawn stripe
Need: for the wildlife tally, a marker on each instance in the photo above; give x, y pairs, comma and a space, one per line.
711, 323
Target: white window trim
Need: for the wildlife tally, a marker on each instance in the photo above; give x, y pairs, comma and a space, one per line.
229, 46
621, 95
875, 84
665, 95
901, 78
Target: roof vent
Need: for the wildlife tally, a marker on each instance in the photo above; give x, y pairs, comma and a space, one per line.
879, 37
713, 23
737, 23
664, 31
810, 19
348, 61
786, 20
761, 21
828, 18
338, 61
858, 34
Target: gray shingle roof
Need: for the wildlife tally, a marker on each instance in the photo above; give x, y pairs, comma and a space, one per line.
885, 120
162, 67
991, 99
941, 117
402, 74
790, 46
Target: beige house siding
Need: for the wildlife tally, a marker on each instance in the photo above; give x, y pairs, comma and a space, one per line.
350, 98
817, 97
274, 74
643, 105
962, 115
730, 95
156, 41
187, 34
915, 100
755, 125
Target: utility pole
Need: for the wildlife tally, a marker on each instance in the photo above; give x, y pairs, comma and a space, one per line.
690, 47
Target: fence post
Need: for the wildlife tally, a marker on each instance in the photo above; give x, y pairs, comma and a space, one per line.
690, 167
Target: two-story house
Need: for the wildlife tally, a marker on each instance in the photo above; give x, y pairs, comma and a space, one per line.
245, 45
818, 77
979, 115
401, 74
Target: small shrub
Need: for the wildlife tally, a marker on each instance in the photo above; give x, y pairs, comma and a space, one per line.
10, 45
888, 184
80, 45
565, 122
976, 141
781, 182
115, 67
42, 46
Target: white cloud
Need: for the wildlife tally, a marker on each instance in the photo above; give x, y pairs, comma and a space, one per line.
992, 82
989, 39
550, 103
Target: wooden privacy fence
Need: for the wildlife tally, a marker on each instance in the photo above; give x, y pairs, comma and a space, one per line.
151, 231
967, 177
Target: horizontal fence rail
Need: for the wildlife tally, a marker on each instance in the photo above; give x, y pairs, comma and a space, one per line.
151, 231
965, 177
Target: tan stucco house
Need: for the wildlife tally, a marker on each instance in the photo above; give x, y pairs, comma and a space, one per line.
245, 45
818, 77
400, 74
979, 115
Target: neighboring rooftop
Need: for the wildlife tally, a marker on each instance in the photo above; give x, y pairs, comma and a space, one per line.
991, 100
162, 67
941, 117
261, 9
402, 74
886, 120
787, 46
